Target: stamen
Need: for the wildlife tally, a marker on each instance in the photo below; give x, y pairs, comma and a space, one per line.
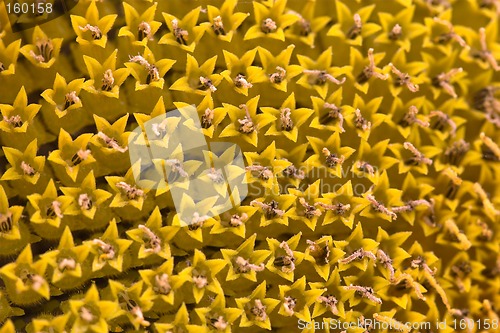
219, 323
410, 118
111, 142
386, 261
403, 79
86, 315
246, 124
108, 80
486, 233
358, 255
180, 34
207, 118
355, 30
491, 3
443, 81
454, 184
70, 99
365, 167
332, 159
108, 252
443, 118
139, 316
199, 280
286, 119
460, 271
54, 210
144, 31
366, 292
84, 201
370, 70
409, 283
320, 77
67, 263
456, 235
240, 81
6, 222
131, 192
218, 26
216, 176
2, 67
330, 302
80, 156
310, 211
289, 305
259, 310
418, 157
451, 35
379, 207
361, 122
237, 220
410, 206
162, 285
287, 261
485, 54
244, 266
27, 169
197, 221
177, 167
487, 204
270, 209
338, 209
456, 151
96, 32
15, 121
319, 253
334, 112
396, 32
45, 49
491, 145
268, 25
153, 73
278, 76
263, 172
206, 83
154, 243
293, 172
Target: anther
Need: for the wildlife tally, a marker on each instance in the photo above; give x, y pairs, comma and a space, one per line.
443, 80
162, 285
176, 167
278, 76
27, 169
111, 143
386, 261
483, 196
95, 31
85, 201
310, 211
154, 243
334, 112
180, 34
396, 32
271, 209
6, 222
370, 70
289, 305
403, 79
355, 30
330, 302
320, 77
259, 310
332, 160
379, 207
360, 122
339, 209
15, 121
494, 150
320, 253
218, 26
207, 118
66, 264
206, 83
286, 119
54, 210
130, 191
358, 255
442, 119
263, 172
108, 80
485, 54
366, 292
107, 250
450, 35
411, 118
456, 151
285, 262
144, 31
244, 266
418, 158
268, 25
246, 124
457, 235
240, 81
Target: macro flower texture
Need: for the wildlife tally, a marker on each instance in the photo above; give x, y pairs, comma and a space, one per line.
370, 136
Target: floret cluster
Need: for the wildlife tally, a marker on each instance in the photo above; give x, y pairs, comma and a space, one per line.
370, 131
